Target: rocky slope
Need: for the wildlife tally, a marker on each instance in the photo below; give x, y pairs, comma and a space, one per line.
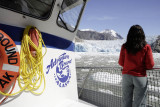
94, 35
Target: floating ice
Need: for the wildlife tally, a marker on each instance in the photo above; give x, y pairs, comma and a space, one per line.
107, 77
153, 98
105, 91
153, 88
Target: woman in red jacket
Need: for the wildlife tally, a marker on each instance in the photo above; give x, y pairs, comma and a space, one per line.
135, 58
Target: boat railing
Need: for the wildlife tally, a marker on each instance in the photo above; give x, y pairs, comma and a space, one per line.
102, 86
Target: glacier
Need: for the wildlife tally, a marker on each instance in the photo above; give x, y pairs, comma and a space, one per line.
107, 46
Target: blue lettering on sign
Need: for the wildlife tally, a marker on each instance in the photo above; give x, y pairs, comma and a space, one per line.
63, 74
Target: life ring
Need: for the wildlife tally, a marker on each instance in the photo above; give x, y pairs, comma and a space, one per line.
9, 61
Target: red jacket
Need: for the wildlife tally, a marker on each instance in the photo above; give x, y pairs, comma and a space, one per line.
137, 64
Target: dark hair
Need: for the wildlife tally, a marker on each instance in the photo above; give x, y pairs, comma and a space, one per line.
135, 39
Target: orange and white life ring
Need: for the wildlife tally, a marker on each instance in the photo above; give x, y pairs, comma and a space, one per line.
9, 61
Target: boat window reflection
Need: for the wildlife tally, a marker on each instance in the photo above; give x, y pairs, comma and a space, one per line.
69, 14
36, 8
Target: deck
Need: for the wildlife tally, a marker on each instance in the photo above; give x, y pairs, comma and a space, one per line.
102, 86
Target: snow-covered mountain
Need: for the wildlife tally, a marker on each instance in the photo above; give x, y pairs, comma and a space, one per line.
156, 45
89, 34
111, 32
108, 46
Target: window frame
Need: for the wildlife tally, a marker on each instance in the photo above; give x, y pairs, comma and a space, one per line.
78, 20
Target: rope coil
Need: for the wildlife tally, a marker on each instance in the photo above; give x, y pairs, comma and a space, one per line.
31, 67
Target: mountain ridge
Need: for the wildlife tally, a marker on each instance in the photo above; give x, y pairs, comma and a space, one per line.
89, 34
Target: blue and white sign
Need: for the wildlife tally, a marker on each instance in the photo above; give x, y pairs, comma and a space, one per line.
62, 73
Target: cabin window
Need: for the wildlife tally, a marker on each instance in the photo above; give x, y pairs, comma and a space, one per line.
36, 8
70, 13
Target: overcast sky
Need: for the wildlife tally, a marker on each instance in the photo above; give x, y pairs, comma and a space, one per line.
120, 15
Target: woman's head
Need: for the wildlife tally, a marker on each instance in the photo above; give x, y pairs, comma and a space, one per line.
135, 39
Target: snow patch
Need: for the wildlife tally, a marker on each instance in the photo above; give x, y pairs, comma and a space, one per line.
112, 32
87, 30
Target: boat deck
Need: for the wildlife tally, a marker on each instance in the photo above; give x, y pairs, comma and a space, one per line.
102, 86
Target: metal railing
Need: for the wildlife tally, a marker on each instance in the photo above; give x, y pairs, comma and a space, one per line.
102, 86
